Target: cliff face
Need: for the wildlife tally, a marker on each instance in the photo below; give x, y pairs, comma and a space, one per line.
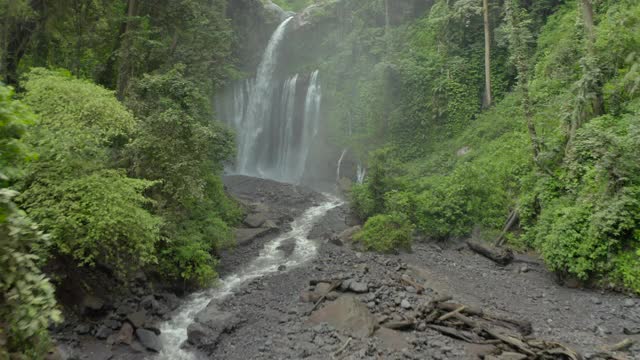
253, 22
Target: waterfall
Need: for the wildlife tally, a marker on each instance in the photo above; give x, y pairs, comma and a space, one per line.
310, 125
361, 173
285, 149
259, 102
344, 152
276, 119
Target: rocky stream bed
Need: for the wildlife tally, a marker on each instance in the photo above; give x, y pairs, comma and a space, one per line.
317, 297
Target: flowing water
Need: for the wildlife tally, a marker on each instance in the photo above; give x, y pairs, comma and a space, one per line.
276, 118
344, 152
174, 331
259, 101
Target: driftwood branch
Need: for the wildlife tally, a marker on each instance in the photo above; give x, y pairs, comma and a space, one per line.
522, 326
513, 218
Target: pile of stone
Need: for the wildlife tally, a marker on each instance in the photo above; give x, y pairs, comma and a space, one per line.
131, 322
395, 308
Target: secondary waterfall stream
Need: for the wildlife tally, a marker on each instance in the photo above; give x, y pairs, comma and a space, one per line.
174, 331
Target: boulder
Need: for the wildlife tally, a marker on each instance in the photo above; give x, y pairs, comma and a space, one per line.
82, 329
347, 235
255, 220
358, 287
125, 335
245, 236
323, 288
112, 324
269, 224
209, 325
138, 318
392, 339
347, 314
150, 303
92, 305
149, 340
103, 332
287, 247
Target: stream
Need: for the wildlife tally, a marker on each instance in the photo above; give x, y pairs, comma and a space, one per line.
174, 331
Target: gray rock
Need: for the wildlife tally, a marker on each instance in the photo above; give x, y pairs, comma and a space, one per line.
149, 340
82, 329
335, 241
332, 295
346, 284
358, 287
287, 247
323, 288
269, 224
392, 339
125, 335
629, 303
138, 318
347, 314
596, 300
347, 235
112, 324
209, 325
150, 303
255, 220
245, 236
405, 304
103, 332
92, 304
125, 308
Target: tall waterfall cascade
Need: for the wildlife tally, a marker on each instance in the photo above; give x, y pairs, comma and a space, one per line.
276, 119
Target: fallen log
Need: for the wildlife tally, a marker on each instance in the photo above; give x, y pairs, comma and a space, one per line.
500, 256
451, 332
522, 326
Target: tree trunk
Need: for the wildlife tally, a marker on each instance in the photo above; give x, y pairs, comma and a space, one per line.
487, 54
589, 25
124, 73
590, 34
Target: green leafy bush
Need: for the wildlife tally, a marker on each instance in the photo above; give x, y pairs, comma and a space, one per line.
386, 233
27, 303
93, 211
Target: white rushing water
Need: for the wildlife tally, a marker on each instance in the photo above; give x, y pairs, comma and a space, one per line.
344, 152
361, 173
276, 118
174, 331
259, 102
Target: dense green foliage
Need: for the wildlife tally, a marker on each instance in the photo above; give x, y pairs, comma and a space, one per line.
92, 210
127, 172
386, 233
27, 304
451, 167
178, 144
